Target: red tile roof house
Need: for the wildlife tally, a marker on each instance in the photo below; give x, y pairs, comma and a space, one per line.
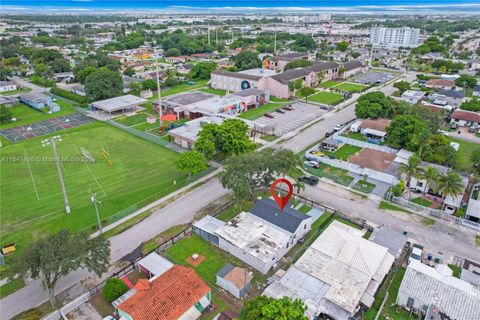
179, 293
465, 118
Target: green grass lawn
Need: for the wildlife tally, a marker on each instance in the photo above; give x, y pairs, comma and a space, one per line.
11, 287
215, 258
327, 98
464, 154
337, 175
421, 201
269, 137
350, 87
18, 91
356, 136
329, 84
260, 111
218, 92
304, 209
428, 222
388, 206
456, 270
274, 99
32, 205
364, 186
344, 152
25, 114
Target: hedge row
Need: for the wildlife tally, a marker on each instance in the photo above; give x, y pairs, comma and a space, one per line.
68, 95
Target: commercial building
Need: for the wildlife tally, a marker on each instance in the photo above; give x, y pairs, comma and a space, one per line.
237, 81
395, 37
424, 286
337, 273
116, 106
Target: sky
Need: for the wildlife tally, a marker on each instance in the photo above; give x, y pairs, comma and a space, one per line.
243, 6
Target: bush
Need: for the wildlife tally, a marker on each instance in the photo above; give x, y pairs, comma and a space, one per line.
113, 289
68, 95
397, 190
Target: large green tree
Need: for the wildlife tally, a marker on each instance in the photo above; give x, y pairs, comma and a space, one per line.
466, 81
191, 161
402, 131
103, 84
5, 114
374, 105
267, 308
247, 173
228, 138
202, 70
55, 256
472, 105
342, 46
450, 184
82, 74
247, 60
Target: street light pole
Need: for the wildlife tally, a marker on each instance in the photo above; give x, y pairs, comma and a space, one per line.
158, 90
94, 201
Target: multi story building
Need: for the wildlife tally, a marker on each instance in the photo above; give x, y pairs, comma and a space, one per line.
394, 37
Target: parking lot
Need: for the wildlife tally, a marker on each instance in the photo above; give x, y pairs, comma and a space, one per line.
291, 120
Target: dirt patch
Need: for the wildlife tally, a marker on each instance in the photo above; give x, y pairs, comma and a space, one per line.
195, 262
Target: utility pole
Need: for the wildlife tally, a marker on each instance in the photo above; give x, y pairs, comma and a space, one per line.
158, 89
216, 35
208, 32
59, 168
94, 201
275, 43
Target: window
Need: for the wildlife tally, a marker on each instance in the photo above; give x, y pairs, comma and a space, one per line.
419, 184
304, 226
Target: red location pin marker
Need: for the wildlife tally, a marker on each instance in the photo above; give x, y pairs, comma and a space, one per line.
282, 202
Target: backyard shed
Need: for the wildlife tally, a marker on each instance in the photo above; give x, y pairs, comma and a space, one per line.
154, 265
235, 280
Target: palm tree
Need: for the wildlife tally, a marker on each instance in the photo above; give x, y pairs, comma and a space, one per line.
450, 184
422, 139
299, 185
430, 176
411, 169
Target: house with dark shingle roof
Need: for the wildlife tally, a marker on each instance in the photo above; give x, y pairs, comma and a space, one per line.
260, 237
179, 293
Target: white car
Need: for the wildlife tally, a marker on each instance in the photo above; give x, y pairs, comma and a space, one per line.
338, 127
313, 164
416, 253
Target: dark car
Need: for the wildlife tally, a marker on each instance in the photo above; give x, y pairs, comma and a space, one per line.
329, 133
310, 180
287, 108
279, 110
268, 115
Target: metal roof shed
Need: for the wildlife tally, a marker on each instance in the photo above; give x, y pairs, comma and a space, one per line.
118, 103
154, 264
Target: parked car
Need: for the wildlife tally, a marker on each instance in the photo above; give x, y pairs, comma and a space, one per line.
453, 125
338, 127
329, 133
287, 108
313, 164
324, 107
291, 107
473, 129
268, 115
279, 110
416, 254
443, 132
310, 180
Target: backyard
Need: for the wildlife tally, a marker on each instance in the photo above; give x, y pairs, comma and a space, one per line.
327, 98
464, 154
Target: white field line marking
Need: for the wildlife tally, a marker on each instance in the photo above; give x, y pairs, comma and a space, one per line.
31, 175
93, 175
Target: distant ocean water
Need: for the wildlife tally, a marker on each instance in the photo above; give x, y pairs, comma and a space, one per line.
244, 5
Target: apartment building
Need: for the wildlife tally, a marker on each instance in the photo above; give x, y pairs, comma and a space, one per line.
395, 37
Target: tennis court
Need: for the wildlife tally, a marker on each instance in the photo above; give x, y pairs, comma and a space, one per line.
36, 129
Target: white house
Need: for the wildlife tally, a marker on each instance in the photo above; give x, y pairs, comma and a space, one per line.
423, 286
260, 237
234, 279
7, 86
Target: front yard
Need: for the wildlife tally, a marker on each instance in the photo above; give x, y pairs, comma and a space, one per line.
422, 201
350, 87
337, 175
364, 186
356, 135
327, 98
329, 84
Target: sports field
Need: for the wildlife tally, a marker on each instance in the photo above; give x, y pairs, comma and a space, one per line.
32, 203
